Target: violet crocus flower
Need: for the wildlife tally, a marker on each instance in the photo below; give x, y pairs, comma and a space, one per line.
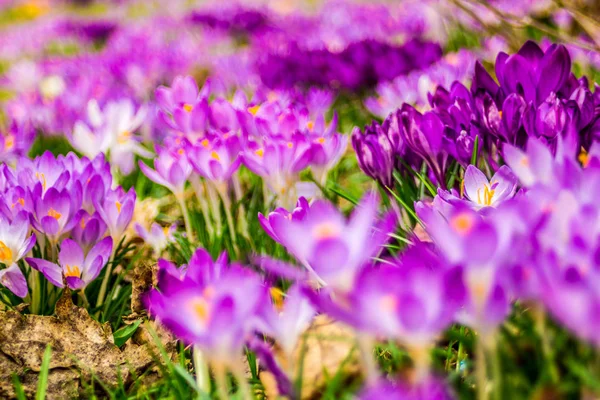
212, 307
479, 192
116, 210
88, 230
182, 106
13, 278
216, 160
278, 162
157, 237
15, 241
375, 153
75, 267
431, 389
331, 247
112, 132
289, 318
297, 214
53, 212
172, 169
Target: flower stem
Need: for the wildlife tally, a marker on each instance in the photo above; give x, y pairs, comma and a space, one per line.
227, 205
106, 278
244, 387
201, 367
480, 370
186, 217
221, 381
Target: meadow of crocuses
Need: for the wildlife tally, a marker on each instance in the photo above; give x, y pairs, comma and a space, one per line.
300, 199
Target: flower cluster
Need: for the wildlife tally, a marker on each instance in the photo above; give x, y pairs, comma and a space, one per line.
67, 202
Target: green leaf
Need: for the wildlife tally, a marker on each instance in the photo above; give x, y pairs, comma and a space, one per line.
43, 378
125, 333
19, 391
475, 150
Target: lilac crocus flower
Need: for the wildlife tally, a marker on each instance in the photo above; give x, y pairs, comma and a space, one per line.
172, 169
431, 389
289, 318
116, 210
212, 307
297, 214
88, 230
484, 193
74, 267
331, 247
216, 160
15, 242
182, 106
112, 132
13, 278
375, 153
157, 237
53, 212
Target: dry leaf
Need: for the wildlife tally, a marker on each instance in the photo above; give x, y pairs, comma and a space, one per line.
80, 346
326, 347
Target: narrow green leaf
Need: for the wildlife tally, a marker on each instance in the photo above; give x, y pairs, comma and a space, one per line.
19, 391
475, 150
343, 195
43, 378
125, 333
406, 207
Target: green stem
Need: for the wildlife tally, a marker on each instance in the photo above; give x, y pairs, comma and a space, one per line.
227, 205
244, 388
497, 372
480, 370
221, 381
186, 217
106, 278
201, 367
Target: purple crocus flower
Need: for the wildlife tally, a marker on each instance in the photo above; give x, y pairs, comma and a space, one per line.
479, 192
214, 309
157, 237
331, 247
375, 153
182, 106
297, 214
53, 212
76, 268
89, 230
431, 389
172, 169
289, 318
15, 241
216, 160
13, 278
116, 210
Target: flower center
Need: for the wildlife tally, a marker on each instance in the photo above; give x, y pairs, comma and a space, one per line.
326, 230
118, 205
488, 195
6, 255
188, 107
254, 109
462, 223
54, 214
72, 271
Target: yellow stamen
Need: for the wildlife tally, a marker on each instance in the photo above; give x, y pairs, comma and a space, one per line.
583, 158
20, 201
290, 145
180, 152
124, 137
42, 178
462, 223
500, 114
254, 109
118, 205
6, 255
72, 271
260, 152
188, 107
389, 302
488, 195
201, 309
325, 230
215, 155
9, 142
205, 143
310, 125
524, 161
54, 214
277, 296
166, 230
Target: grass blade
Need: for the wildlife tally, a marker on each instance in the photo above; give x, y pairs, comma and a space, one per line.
43, 378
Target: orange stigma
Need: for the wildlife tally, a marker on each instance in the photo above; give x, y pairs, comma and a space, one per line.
6, 255
54, 214
188, 107
72, 271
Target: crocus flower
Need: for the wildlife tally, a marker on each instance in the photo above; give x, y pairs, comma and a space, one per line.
89, 230
298, 213
331, 247
214, 309
116, 210
157, 237
289, 318
112, 132
74, 267
216, 160
14, 240
375, 153
53, 212
431, 389
172, 169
